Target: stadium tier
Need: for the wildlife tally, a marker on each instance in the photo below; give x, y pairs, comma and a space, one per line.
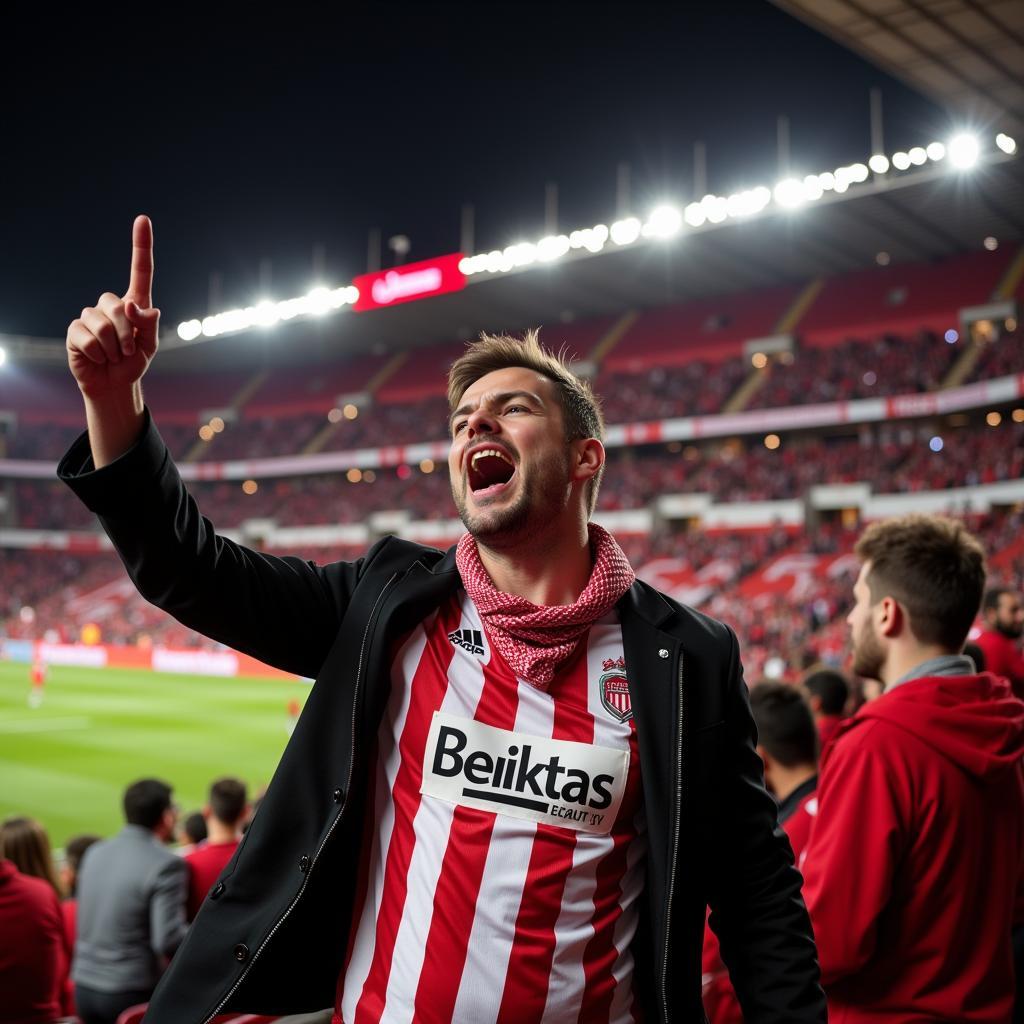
707, 509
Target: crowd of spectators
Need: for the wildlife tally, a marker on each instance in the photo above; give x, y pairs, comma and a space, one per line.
851, 370
893, 458
88, 934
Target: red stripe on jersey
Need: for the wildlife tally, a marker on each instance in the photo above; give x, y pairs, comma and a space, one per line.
600, 955
462, 869
431, 672
533, 948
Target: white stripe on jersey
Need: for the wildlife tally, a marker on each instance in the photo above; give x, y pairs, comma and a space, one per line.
388, 759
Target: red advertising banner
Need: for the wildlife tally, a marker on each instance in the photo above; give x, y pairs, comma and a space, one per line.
407, 284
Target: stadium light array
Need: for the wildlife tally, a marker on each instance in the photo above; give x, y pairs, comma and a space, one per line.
317, 302
665, 221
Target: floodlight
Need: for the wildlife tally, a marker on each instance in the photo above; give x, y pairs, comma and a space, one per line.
812, 187
935, 151
694, 215
664, 222
266, 313
790, 192
879, 163
901, 161
625, 232
1006, 144
918, 156
318, 301
552, 247
963, 151
188, 331
3, 355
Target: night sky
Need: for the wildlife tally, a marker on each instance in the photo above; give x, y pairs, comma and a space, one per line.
248, 139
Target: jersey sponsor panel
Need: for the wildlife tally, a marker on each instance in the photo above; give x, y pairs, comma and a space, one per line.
557, 782
487, 908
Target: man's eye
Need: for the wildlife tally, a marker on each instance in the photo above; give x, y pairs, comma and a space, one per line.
458, 426
516, 408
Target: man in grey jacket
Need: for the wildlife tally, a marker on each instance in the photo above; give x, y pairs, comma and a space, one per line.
131, 907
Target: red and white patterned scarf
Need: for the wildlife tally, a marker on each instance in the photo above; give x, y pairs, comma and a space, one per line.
535, 639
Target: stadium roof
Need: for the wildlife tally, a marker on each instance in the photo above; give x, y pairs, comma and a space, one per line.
925, 214
967, 54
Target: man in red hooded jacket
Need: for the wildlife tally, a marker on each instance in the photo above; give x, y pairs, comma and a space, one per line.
918, 847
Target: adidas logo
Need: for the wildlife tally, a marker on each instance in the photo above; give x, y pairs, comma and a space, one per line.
471, 640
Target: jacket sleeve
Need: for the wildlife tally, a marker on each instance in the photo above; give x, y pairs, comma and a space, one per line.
857, 833
756, 908
283, 611
167, 924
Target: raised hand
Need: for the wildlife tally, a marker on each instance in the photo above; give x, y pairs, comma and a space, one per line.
111, 344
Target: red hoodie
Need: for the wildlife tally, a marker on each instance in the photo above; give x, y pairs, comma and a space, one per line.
917, 853
1003, 657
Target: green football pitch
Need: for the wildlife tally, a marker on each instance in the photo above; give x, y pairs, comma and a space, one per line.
67, 762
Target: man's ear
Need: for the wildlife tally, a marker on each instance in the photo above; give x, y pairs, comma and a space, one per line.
206, 812
589, 459
814, 703
892, 619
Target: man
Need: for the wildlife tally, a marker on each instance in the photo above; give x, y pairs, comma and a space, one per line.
224, 814
827, 694
1003, 614
131, 907
788, 744
918, 846
33, 950
520, 776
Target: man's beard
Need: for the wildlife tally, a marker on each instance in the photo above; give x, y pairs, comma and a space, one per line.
1011, 630
868, 654
542, 496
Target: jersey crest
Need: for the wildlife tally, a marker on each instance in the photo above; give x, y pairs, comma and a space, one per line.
614, 689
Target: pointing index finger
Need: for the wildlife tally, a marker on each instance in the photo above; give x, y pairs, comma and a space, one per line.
140, 286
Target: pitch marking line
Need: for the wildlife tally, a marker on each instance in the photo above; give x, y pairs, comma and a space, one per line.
45, 725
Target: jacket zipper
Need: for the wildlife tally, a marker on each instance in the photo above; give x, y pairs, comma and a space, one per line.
679, 780
341, 813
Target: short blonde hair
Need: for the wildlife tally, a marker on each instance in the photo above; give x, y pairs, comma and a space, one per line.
581, 408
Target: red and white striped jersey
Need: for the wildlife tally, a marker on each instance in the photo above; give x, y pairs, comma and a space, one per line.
505, 859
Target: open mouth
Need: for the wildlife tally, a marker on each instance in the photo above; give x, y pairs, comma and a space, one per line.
490, 471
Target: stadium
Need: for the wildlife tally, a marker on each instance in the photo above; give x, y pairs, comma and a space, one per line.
778, 368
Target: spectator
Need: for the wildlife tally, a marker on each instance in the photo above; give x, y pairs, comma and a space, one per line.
827, 694
917, 849
33, 958
224, 814
1003, 614
193, 832
131, 907
73, 853
788, 745
27, 845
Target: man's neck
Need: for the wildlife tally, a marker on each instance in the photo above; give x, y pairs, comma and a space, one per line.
786, 780
905, 659
218, 832
546, 571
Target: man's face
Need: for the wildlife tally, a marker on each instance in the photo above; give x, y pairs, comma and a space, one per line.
1008, 616
509, 462
868, 651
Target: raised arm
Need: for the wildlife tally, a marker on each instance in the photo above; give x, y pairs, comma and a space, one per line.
110, 347
284, 611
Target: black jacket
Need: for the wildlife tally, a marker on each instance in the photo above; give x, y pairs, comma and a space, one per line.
272, 935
